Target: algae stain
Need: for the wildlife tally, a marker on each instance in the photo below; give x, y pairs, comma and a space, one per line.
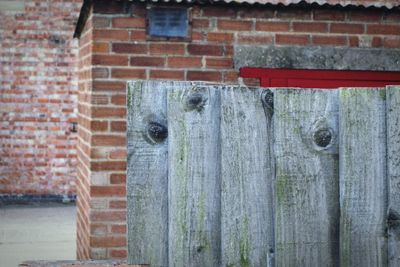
281, 183
382, 94
244, 245
129, 97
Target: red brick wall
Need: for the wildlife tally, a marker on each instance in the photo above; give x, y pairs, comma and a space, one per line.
120, 53
38, 97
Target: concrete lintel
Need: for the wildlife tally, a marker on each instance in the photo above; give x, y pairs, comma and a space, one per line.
317, 57
12, 5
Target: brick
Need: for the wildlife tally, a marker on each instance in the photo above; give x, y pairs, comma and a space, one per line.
121, 254
292, 39
108, 140
118, 204
138, 35
147, 61
128, 73
108, 216
255, 39
219, 63
272, 26
108, 241
365, 15
118, 126
98, 229
118, 100
108, 112
391, 42
108, 166
200, 23
129, 22
388, 29
107, 7
217, 11
107, 191
101, 22
111, 35
220, 37
251, 81
100, 72
292, 13
167, 74
117, 178
259, 13
329, 40
204, 76
118, 154
205, 50
128, 48
167, 49
99, 126
392, 16
354, 41
231, 77
376, 42
118, 228
108, 60
106, 86
310, 27
184, 62
329, 14
235, 25
347, 28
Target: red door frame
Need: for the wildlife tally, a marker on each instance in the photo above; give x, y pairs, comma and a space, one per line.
321, 78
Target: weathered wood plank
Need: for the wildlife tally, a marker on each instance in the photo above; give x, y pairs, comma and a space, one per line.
363, 184
247, 173
393, 168
306, 185
147, 174
194, 176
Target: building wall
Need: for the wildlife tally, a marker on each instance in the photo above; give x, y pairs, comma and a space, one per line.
120, 52
38, 97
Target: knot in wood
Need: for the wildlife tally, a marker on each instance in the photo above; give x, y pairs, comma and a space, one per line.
195, 101
268, 100
323, 137
156, 132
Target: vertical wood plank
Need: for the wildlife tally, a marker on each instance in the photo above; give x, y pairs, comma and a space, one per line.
306, 185
147, 174
363, 185
247, 173
194, 176
393, 168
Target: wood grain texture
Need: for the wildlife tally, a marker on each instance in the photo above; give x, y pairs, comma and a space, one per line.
247, 173
363, 185
393, 169
147, 183
306, 181
194, 176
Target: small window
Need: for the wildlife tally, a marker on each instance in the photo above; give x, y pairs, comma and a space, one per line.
166, 23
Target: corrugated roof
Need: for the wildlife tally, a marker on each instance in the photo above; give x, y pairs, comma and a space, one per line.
343, 3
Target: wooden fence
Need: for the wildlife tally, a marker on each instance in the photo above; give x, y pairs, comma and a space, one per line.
231, 176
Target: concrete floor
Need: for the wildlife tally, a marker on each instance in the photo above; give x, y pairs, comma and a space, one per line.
45, 232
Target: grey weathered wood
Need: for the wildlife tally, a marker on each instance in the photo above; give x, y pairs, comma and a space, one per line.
194, 176
246, 167
393, 168
363, 185
147, 183
306, 185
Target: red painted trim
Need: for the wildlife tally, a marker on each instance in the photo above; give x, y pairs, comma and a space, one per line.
321, 78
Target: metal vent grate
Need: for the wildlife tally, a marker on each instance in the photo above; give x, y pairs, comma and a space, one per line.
168, 22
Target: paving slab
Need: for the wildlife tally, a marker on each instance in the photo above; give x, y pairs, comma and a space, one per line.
37, 232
